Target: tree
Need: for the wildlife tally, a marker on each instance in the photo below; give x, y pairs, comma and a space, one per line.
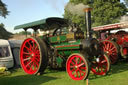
4, 34
3, 9
104, 12
107, 12
126, 2
73, 17
24, 33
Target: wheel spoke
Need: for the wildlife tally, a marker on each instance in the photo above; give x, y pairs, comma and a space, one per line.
29, 50
36, 58
76, 67
107, 46
37, 63
35, 48
77, 60
35, 67
104, 48
26, 59
104, 61
77, 74
26, 53
72, 70
72, 63
38, 55
33, 45
82, 71
112, 50
74, 73
80, 61
30, 45
80, 64
37, 52
111, 46
72, 66
83, 68
101, 69
28, 63
31, 66
98, 68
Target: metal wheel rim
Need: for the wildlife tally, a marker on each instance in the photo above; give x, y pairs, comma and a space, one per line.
124, 53
111, 51
100, 66
30, 56
77, 67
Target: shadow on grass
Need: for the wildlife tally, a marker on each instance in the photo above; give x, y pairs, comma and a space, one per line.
121, 66
25, 80
50, 70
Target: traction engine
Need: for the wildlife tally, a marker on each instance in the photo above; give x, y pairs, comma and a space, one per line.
60, 49
114, 44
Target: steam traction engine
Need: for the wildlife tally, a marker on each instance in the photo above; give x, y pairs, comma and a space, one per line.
61, 47
114, 44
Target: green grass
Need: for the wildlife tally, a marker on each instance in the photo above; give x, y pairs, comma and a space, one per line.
117, 76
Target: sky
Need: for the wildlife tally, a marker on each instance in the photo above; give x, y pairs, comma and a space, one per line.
24, 11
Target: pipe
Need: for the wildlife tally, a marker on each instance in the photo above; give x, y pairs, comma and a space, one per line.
88, 22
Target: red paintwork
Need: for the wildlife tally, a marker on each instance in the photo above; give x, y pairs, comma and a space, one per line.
30, 56
100, 66
120, 38
111, 26
76, 67
111, 50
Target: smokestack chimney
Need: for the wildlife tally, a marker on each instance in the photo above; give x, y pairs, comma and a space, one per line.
88, 22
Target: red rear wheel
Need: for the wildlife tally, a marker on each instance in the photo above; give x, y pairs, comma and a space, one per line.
32, 55
100, 65
111, 49
77, 67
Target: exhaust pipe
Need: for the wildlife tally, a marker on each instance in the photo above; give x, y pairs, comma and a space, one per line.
88, 22
90, 45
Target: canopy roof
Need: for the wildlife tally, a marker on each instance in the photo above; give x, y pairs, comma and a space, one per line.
44, 24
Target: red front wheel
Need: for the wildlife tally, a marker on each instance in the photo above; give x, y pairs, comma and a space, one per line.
77, 67
101, 65
33, 55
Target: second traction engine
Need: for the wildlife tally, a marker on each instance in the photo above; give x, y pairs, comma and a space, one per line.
114, 44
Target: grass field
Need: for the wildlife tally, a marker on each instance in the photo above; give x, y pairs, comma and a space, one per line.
117, 76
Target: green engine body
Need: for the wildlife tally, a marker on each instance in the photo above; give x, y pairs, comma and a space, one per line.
62, 46
61, 42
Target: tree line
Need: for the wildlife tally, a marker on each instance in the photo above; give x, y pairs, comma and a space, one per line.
103, 12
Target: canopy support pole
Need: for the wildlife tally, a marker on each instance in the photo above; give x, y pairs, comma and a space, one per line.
35, 30
26, 32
